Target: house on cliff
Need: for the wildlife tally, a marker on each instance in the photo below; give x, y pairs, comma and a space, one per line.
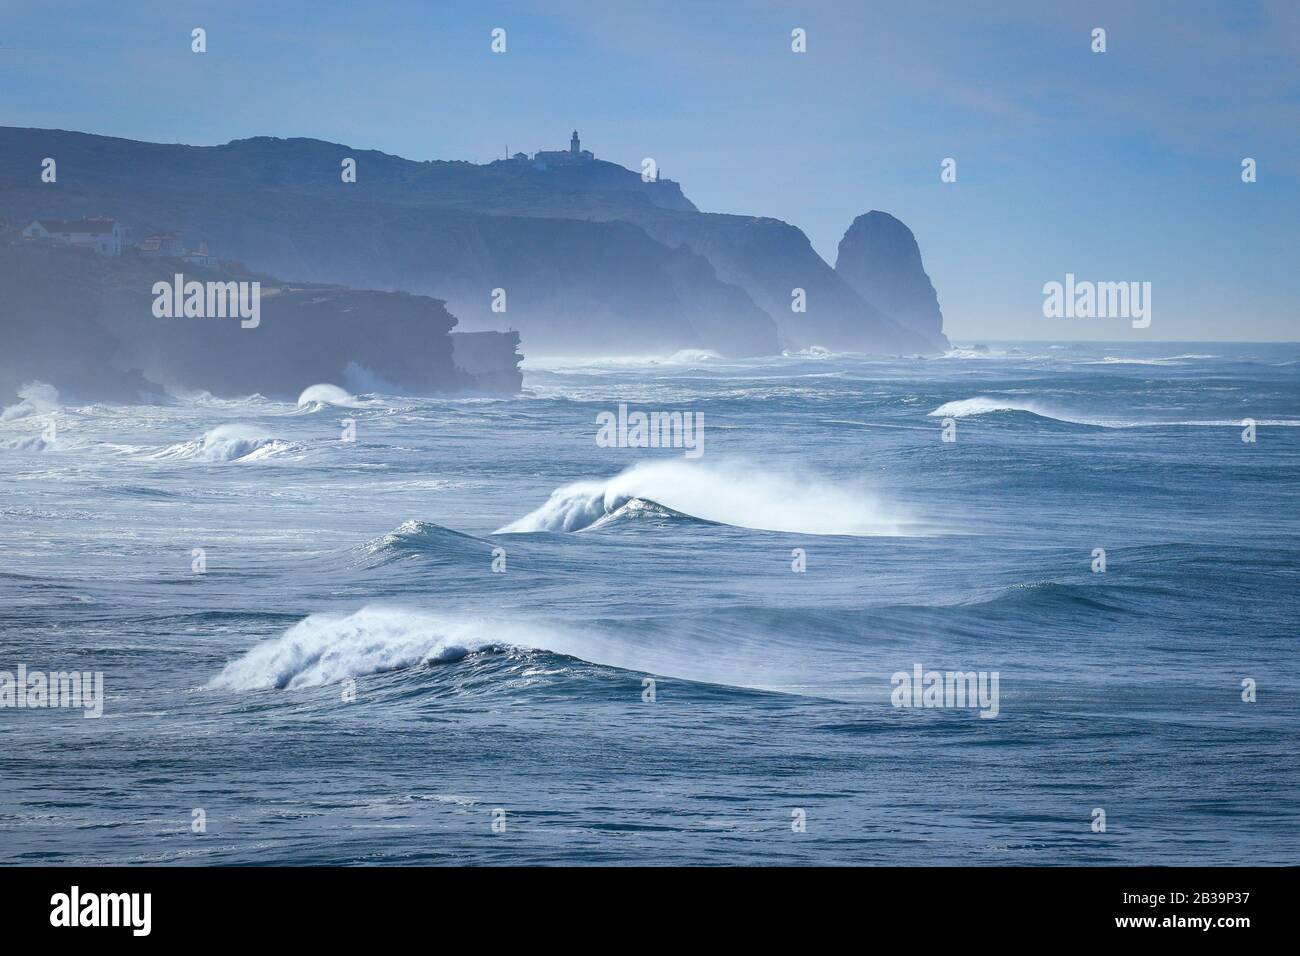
105, 236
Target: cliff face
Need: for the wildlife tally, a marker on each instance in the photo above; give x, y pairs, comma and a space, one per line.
86, 324
51, 319
571, 287
490, 359
769, 259
592, 260
879, 257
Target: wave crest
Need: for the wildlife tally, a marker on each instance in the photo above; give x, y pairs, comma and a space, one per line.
24, 443
317, 397
413, 538
729, 494
36, 398
241, 443
986, 405
328, 648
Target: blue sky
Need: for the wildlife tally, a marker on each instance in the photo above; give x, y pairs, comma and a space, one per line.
1116, 166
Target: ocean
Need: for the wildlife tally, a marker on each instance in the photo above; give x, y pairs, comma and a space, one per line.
475, 635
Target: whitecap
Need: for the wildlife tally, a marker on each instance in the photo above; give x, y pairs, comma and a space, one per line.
227, 443
317, 397
731, 493
36, 398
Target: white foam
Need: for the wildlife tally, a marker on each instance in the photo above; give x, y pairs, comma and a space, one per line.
811, 352
733, 493
1170, 360
318, 396
682, 357
327, 648
235, 442
693, 357
986, 405
24, 443
204, 398
37, 398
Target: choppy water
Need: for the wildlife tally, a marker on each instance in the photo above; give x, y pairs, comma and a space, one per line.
523, 690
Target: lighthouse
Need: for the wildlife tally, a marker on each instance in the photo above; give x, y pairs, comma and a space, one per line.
573, 156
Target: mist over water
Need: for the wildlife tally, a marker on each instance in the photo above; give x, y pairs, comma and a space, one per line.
372, 565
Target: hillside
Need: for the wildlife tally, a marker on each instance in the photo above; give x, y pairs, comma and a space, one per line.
592, 259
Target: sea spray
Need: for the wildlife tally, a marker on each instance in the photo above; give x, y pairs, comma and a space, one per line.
325, 394
732, 493
227, 443
36, 398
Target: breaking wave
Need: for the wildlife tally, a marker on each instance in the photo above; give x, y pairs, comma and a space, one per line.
24, 443
413, 539
36, 398
692, 357
986, 405
1170, 360
641, 509
730, 494
242, 443
328, 648
816, 352
317, 397
204, 398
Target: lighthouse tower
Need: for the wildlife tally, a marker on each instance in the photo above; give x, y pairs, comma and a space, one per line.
574, 146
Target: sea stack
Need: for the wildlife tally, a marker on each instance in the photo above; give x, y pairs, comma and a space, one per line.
880, 259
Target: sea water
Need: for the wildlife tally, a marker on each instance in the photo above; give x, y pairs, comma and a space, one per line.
384, 629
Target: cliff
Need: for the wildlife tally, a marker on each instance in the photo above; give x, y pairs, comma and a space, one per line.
769, 259
86, 324
879, 257
592, 260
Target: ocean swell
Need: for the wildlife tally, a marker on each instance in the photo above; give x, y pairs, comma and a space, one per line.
316, 398
36, 398
328, 648
987, 405
241, 443
731, 494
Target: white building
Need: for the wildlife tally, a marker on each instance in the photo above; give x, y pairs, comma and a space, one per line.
105, 236
574, 155
161, 244
201, 256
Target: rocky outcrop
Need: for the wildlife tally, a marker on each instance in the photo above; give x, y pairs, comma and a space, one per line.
490, 359
770, 259
87, 325
880, 259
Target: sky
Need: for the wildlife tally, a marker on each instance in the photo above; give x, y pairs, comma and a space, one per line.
1115, 166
